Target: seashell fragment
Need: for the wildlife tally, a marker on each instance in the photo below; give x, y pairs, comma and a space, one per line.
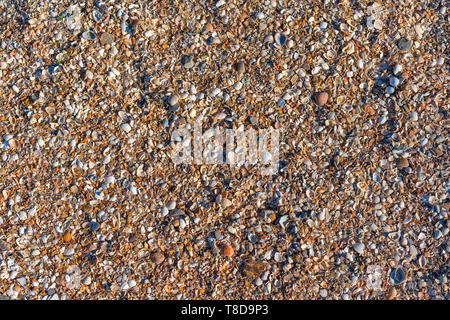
280, 39
89, 35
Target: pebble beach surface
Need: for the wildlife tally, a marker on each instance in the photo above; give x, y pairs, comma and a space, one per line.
93, 207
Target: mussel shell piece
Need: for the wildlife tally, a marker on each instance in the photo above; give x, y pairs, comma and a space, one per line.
280, 38
96, 15
89, 35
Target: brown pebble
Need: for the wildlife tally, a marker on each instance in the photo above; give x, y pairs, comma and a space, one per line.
157, 257
321, 98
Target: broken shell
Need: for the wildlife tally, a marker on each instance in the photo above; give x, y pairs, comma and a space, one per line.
96, 15
397, 276
280, 39
89, 35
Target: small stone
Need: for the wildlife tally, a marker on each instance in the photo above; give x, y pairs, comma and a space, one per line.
404, 44
359, 247
157, 257
321, 98
323, 293
227, 251
231, 230
402, 163
260, 15
182, 223
287, 97
177, 213
96, 15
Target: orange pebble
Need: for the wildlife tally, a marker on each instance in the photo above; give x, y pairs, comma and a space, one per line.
67, 237
228, 251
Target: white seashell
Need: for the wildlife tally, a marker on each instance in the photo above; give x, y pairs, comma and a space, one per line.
125, 127
182, 223
422, 261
